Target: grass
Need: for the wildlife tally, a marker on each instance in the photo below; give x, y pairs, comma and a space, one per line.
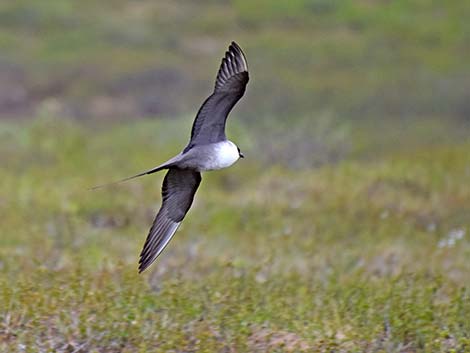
366, 255
360, 58
349, 232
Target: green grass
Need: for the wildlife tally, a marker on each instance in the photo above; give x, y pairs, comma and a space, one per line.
346, 228
360, 58
367, 255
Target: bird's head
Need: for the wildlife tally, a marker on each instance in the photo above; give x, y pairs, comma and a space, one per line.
240, 154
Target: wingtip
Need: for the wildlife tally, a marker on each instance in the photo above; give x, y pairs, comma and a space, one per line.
234, 47
143, 266
140, 269
233, 63
144, 261
234, 44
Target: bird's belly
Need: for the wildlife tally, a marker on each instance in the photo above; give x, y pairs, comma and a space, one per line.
223, 155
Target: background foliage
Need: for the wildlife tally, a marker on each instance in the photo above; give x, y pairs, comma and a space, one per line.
345, 228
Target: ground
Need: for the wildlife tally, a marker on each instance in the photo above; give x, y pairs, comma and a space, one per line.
345, 228
360, 255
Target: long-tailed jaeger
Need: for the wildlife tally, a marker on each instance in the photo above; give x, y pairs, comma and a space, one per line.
208, 149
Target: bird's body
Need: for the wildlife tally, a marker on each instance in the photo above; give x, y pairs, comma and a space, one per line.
208, 149
218, 155
204, 158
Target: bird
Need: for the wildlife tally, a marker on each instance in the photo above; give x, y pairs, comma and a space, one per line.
208, 149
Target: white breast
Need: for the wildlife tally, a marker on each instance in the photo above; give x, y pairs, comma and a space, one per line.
224, 154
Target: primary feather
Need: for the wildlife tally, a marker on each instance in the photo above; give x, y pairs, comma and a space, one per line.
230, 84
178, 189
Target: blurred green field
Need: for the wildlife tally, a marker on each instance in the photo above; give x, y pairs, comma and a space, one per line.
365, 255
128, 59
345, 228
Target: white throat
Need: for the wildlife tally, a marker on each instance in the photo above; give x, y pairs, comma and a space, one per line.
225, 153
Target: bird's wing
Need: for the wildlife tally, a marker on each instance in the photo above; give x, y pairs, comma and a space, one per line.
178, 189
230, 84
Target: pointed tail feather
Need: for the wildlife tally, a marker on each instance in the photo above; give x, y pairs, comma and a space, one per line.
151, 171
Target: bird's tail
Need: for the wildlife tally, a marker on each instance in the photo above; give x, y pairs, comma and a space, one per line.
151, 171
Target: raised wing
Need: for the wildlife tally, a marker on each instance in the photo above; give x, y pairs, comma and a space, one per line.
178, 189
209, 125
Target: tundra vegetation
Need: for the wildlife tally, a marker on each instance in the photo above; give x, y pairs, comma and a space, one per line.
345, 228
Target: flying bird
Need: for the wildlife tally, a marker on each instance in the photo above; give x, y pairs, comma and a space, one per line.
208, 149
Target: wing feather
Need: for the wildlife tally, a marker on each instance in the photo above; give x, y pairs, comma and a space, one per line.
230, 84
178, 189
